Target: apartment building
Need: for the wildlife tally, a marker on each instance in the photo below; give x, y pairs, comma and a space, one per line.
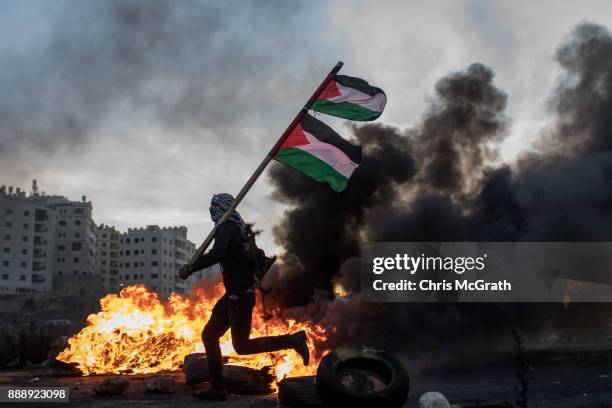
50, 243
27, 233
42, 236
152, 256
107, 256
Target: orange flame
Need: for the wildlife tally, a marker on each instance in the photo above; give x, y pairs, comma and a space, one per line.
137, 333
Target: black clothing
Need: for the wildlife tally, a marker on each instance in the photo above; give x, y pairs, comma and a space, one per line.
231, 251
237, 315
234, 310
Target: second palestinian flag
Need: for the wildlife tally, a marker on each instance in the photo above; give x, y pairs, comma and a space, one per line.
314, 149
351, 98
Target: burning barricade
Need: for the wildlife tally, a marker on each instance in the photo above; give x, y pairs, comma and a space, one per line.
137, 333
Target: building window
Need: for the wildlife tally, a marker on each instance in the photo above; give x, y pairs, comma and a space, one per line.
8, 224
7, 237
24, 265
127, 252
4, 276
154, 239
9, 211
79, 210
77, 222
24, 238
26, 213
76, 246
75, 260
24, 251
59, 272
61, 247
104, 244
153, 251
40, 215
154, 276
127, 264
22, 278
77, 235
135, 240
62, 222
154, 263
7, 250
6, 263
127, 240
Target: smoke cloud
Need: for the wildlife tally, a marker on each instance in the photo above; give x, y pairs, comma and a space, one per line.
440, 181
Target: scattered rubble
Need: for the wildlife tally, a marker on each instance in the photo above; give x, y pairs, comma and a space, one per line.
163, 384
111, 386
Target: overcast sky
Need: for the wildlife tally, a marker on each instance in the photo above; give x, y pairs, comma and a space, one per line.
150, 107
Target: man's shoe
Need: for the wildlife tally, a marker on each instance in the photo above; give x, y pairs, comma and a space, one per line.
212, 394
301, 346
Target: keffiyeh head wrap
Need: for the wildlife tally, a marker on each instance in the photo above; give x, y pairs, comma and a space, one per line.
219, 205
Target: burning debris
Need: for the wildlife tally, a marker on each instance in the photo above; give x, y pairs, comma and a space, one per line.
137, 333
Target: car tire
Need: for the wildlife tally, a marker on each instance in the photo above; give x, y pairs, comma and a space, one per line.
362, 377
196, 371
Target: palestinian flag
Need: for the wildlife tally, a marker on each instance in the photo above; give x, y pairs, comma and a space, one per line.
314, 149
351, 98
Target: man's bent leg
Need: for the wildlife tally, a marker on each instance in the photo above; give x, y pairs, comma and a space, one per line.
240, 317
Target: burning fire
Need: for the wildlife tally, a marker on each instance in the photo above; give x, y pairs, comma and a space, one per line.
137, 333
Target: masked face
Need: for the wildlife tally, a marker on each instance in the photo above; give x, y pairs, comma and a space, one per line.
219, 204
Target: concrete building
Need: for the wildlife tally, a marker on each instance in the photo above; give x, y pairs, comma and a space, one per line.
27, 236
107, 256
49, 243
152, 256
42, 236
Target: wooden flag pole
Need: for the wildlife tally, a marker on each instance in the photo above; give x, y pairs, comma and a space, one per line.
267, 160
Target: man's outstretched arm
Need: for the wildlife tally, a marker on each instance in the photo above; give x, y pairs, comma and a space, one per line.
218, 252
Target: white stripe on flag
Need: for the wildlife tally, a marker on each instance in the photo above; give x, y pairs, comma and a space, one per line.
352, 95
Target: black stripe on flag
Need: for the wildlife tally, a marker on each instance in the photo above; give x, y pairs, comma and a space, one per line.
327, 135
358, 84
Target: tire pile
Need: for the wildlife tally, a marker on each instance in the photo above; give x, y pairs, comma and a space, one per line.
349, 377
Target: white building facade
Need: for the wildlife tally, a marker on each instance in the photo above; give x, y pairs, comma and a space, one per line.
107, 256
42, 236
152, 256
49, 243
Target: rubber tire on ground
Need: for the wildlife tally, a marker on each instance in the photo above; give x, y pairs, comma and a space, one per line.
334, 393
196, 371
299, 392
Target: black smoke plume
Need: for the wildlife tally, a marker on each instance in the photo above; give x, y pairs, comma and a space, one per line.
439, 181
